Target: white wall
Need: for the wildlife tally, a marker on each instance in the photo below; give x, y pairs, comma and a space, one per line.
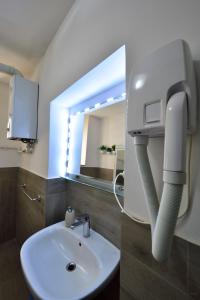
113, 133
58, 139
8, 158
92, 31
93, 138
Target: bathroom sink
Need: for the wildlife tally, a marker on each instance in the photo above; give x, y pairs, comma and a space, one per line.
59, 263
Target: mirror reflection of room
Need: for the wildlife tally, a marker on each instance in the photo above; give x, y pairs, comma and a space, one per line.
103, 142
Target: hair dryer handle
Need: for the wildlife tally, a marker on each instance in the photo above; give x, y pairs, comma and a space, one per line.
176, 134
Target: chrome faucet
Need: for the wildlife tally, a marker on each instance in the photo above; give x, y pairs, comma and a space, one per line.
85, 221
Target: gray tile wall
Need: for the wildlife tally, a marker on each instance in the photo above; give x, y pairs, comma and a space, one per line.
30, 215
57, 195
12, 284
143, 278
7, 203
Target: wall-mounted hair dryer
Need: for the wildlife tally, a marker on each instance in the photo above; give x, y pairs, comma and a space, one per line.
162, 101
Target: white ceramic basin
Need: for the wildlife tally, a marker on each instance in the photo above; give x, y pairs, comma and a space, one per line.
45, 255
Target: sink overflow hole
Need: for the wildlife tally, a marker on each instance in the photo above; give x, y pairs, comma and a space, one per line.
71, 266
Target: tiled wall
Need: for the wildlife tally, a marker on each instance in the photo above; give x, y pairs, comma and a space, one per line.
142, 278
7, 203
30, 215
96, 172
57, 194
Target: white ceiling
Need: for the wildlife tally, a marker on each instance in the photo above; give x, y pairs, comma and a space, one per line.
26, 29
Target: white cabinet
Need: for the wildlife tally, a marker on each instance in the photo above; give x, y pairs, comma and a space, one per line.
23, 109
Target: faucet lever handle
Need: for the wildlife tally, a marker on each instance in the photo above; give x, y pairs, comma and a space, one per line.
83, 217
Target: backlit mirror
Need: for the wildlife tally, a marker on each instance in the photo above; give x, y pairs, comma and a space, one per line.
87, 126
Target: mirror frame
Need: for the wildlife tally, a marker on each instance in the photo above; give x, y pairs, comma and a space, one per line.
96, 183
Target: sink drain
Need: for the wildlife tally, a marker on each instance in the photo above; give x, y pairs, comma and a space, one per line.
71, 266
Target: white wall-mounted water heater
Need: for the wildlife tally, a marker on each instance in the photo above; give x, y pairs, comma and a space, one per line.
162, 101
23, 109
